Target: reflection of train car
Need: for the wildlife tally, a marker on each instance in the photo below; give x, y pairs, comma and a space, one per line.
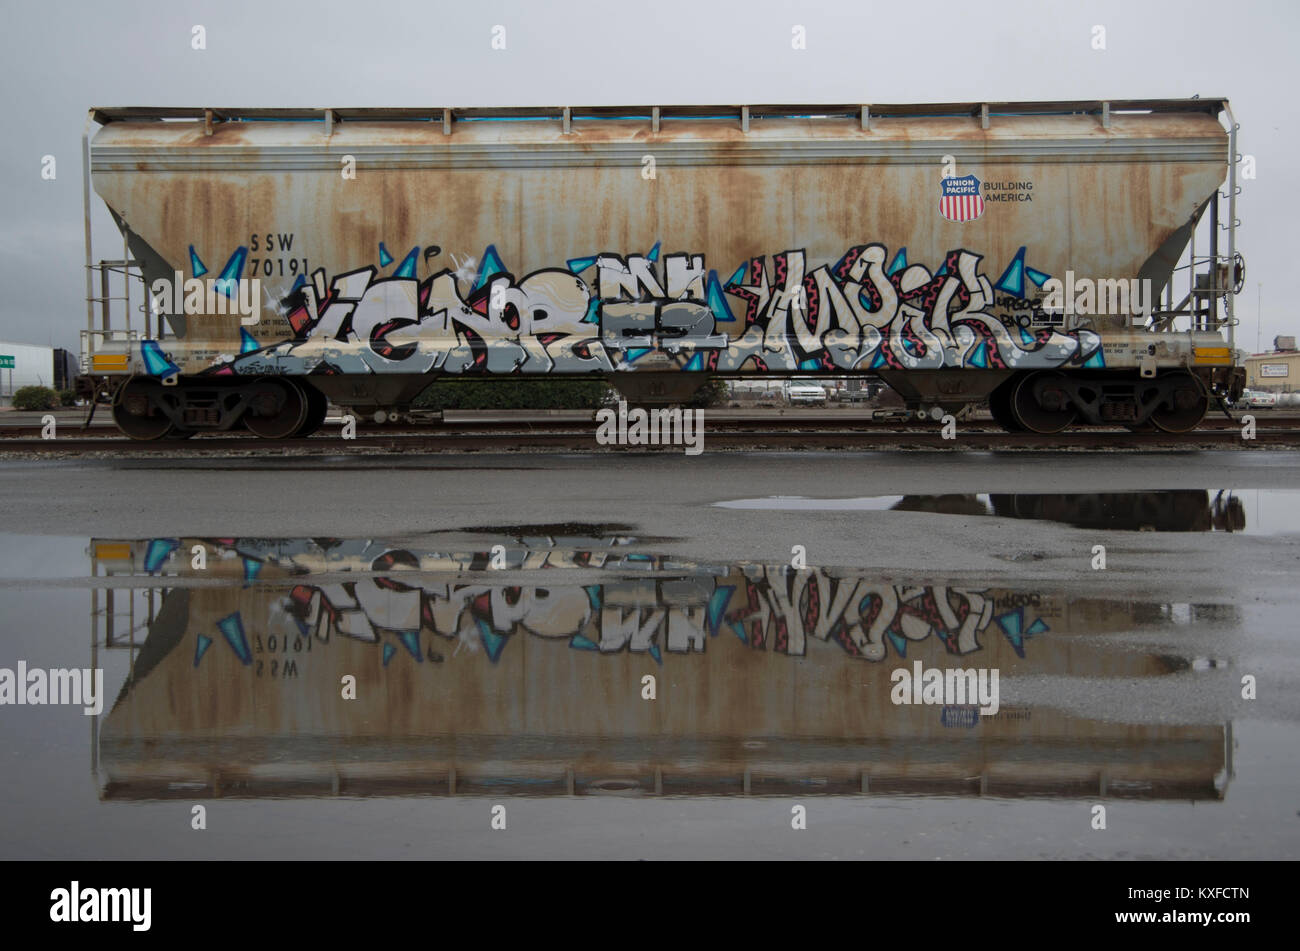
529, 678
1176, 510
1023, 254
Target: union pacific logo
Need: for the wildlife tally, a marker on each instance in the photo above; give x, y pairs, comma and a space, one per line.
960, 198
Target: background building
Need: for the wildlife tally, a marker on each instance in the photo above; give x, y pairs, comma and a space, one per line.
1277, 371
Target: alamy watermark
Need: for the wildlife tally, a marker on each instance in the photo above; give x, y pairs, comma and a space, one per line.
1103, 296
953, 686
57, 686
219, 296
658, 427
74, 904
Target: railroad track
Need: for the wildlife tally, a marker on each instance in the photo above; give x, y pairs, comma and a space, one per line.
794, 437
717, 421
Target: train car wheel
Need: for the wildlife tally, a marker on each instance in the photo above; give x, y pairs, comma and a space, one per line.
1000, 407
1185, 408
317, 406
136, 410
1041, 407
277, 409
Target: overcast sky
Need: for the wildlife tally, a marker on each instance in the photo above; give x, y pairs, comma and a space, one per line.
60, 58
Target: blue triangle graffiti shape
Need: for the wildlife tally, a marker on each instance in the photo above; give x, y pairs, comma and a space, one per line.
407, 267
411, 641
388, 652
155, 362
899, 642
979, 356
654, 252
717, 601
580, 643
246, 342
251, 570
578, 265
738, 276
718, 300
740, 631
1013, 278
654, 652
1012, 624
197, 267
201, 648
593, 595
232, 272
1038, 627
493, 642
1038, 277
385, 258
232, 629
156, 554
899, 262
490, 267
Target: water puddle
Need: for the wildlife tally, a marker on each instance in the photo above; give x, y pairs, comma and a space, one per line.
1248, 511
573, 664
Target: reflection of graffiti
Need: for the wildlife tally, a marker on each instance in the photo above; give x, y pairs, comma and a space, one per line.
767, 608
855, 314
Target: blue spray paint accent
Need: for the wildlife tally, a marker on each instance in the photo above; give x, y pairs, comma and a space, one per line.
1012, 624
407, 267
232, 629
1038, 277
201, 648
388, 652
490, 267
717, 601
578, 265
739, 276
1013, 278
411, 641
899, 642
696, 362
298, 282
385, 258
157, 552
740, 631
593, 595
593, 311
899, 263
246, 342
1097, 360
493, 642
580, 643
155, 362
197, 267
252, 569
717, 299
979, 357
636, 353
654, 252
232, 272
654, 652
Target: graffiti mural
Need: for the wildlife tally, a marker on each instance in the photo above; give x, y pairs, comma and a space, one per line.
610, 312
678, 610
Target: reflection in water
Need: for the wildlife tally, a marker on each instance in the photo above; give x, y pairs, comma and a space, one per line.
519, 667
1177, 510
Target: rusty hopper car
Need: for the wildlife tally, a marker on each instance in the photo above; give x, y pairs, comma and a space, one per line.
1043, 257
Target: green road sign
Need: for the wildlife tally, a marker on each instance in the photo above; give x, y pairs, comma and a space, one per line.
6, 363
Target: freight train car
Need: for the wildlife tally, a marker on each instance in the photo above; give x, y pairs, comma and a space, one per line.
1042, 257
